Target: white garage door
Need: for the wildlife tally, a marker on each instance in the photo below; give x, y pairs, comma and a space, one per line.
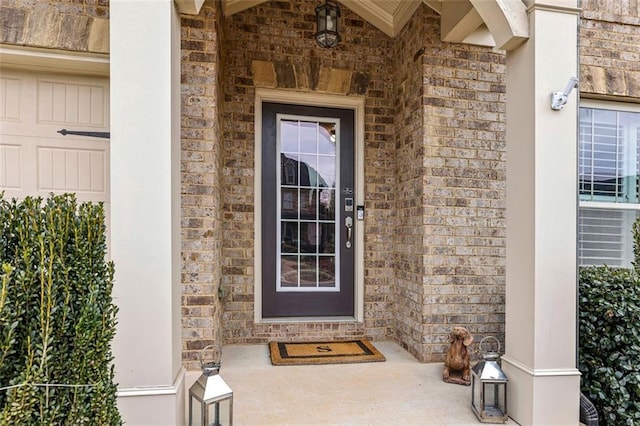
34, 158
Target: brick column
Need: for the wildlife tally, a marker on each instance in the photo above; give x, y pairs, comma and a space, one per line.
540, 360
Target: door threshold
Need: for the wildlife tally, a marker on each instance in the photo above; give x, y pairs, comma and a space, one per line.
308, 319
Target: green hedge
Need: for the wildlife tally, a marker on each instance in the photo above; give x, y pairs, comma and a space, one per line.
57, 318
609, 349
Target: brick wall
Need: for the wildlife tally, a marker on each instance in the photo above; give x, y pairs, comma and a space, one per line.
450, 236
464, 192
272, 45
435, 168
67, 25
434, 154
201, 175
609, 53
409, 249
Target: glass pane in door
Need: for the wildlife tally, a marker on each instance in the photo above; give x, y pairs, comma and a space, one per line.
308, 176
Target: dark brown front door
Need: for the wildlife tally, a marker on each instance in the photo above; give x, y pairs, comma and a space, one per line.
307, 211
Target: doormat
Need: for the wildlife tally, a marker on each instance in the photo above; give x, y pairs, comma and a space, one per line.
306, 353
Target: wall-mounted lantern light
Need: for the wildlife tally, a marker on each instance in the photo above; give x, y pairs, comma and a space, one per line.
327, 15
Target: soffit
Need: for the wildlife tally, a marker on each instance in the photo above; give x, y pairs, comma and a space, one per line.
389, 16
479, 22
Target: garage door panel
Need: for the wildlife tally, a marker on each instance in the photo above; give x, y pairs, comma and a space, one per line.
36, 160
17, 172
10, 167
10, 94
47, 103
71, 170
71, 104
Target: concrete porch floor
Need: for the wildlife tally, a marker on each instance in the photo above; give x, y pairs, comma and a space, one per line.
399, 391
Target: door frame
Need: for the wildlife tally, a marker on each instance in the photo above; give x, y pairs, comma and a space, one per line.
322, 100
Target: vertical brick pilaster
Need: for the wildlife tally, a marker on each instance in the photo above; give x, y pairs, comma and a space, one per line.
450, 172
409, 249
201, 173
464, 192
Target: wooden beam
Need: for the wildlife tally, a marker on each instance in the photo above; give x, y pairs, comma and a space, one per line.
189, 7
458, 20
506, 19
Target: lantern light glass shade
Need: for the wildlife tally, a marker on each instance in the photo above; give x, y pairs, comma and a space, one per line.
210, 402
489, 391
328, 34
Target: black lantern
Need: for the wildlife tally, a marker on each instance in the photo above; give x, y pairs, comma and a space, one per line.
489, 387
210, 398
327, 15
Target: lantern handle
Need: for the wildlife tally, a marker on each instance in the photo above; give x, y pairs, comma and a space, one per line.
211, 365
489, 337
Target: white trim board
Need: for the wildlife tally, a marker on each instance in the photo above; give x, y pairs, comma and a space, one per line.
172, 389
540, 372
34, 59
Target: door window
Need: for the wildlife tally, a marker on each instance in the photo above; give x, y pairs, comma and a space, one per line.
307, 218
308, 179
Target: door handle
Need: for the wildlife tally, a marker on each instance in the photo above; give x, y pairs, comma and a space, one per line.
348, 222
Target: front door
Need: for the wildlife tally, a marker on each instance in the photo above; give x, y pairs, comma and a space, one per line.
307, 211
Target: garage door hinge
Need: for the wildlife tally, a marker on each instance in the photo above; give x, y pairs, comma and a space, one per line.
104, 135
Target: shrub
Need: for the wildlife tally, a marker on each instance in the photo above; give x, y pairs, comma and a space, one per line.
57, 318
609, 315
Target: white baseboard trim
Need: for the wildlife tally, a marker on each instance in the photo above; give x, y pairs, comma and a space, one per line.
154, 390
540, 372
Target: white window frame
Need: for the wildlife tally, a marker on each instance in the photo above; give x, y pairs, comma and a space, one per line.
337, 227
595, 204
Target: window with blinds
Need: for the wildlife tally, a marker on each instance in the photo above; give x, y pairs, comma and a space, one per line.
608, 159
608, 164
605, 237
601, 162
